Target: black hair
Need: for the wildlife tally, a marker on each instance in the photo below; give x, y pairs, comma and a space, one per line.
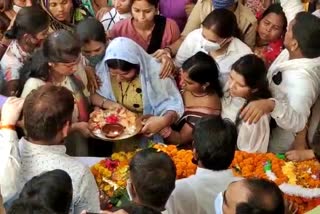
52, 189
254, 72
91, 29
28, 207
152, 2
122, 65
202, 69
61, 46
223, 22
277, 9
153, 176
265, 197
35, 67
215, 141
134, 208
29, 20
306, 30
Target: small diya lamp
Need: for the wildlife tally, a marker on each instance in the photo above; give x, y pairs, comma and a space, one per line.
112, 130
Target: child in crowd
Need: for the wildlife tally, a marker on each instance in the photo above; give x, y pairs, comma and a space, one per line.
120, 11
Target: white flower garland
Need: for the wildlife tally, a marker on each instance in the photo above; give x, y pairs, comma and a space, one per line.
295, 190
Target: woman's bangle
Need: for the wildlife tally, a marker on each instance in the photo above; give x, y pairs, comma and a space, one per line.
170, 50
11, 127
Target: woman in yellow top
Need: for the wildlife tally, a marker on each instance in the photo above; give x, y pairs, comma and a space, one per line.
130, 78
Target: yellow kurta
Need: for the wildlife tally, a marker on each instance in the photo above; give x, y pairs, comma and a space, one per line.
128, 94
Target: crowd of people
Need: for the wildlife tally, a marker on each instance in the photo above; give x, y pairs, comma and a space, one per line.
212, 76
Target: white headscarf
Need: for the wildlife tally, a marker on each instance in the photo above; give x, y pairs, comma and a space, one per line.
159, 95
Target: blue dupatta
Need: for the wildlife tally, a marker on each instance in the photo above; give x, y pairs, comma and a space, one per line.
159, 95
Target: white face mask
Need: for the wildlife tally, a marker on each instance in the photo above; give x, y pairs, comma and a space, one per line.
218, 204
16, 8
209, 46
129, 189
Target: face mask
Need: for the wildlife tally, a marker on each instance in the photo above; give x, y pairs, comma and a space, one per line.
94, 60
221, 4
218, 203
16, 8
129, 189
209, 46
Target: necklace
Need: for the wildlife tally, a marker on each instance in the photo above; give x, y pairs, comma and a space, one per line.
195, 95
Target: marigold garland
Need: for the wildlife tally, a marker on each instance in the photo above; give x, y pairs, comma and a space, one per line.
111, 174
181, 158
305, 174
249, 165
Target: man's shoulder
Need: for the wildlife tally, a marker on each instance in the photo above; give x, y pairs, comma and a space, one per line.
247, 14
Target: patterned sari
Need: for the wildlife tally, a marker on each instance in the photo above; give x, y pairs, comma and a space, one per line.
79, 13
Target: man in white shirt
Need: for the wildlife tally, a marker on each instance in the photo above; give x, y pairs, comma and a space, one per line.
215, 142
294, 80
9, 155
47, 113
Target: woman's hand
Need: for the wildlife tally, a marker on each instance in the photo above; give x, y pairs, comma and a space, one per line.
153, 125
94, 82
167, 67
110, 104
300, 155
160, 53
83, 128
256, 109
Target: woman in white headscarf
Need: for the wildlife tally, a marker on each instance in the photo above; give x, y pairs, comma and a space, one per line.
130, 78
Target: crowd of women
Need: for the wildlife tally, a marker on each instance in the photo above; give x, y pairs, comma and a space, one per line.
255, 63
